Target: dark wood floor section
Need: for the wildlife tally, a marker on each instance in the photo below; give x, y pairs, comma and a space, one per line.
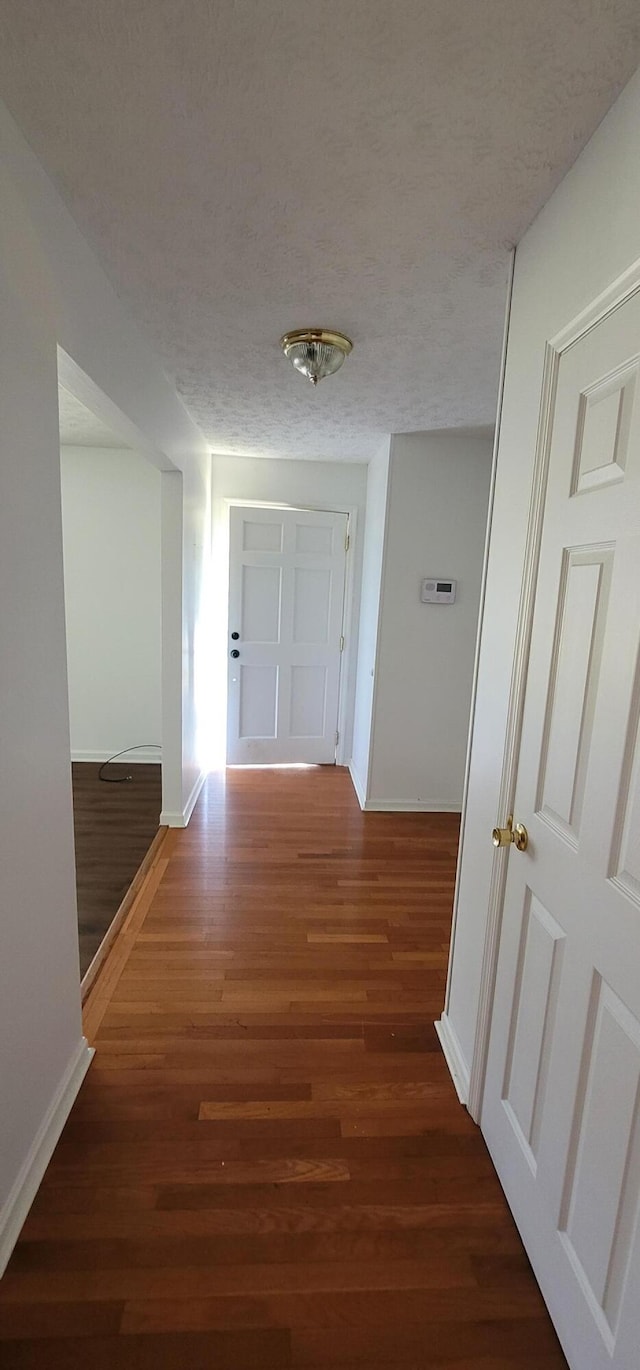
114, 827
267, 1165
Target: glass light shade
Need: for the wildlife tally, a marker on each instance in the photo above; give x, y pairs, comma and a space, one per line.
315, 352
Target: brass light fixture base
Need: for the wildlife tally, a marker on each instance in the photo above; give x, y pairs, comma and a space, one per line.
316, 352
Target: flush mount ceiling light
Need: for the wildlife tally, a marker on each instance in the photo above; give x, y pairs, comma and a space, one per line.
316, 352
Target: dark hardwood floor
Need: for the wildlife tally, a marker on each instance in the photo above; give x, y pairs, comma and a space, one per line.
267, 1165
114, 827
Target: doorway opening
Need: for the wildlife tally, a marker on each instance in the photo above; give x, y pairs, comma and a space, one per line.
111, 519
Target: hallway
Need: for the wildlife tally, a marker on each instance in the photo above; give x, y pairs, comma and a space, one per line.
267, 1164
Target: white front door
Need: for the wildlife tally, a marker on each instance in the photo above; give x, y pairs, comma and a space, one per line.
561, 1110
286, 598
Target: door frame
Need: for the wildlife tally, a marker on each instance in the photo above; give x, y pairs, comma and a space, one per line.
349, 654
617, 293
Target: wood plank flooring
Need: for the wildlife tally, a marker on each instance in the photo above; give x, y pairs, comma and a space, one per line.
114, 827
267, 1165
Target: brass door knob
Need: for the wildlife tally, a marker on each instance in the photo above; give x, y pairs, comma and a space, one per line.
503, 837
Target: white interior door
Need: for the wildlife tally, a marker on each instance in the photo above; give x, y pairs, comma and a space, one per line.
561, 1109
286, 598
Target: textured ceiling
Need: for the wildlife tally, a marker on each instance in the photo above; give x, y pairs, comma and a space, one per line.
79, 427
243, 167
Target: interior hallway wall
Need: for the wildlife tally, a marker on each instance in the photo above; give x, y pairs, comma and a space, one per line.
111, 536
372, 570
53, 293
436, 513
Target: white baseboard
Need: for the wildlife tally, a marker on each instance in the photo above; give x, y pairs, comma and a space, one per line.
179, 819
148, 757
27, 1182
357, 785
397, 805
458, 1067
409, 806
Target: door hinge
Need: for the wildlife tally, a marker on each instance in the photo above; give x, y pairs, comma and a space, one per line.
346, 543
337, 737
342, 644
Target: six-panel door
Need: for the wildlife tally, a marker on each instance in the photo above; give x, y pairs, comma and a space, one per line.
561, 1109
286, 597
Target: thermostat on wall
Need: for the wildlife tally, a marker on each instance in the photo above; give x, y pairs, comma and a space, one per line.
438, 591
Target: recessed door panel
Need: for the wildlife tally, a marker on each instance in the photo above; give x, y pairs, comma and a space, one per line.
261, 537
308, 701
258, 701
574, 683
604, 425
261, 603
314, 539
533, 1019
312, 605
625, 857
602, 1191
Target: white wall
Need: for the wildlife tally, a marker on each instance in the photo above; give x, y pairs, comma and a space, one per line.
111, 537
372, 568
52, 291
435, 525
40, 1027
323, 485
583, 239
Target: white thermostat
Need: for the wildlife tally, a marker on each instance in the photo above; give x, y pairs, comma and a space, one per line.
434, 591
